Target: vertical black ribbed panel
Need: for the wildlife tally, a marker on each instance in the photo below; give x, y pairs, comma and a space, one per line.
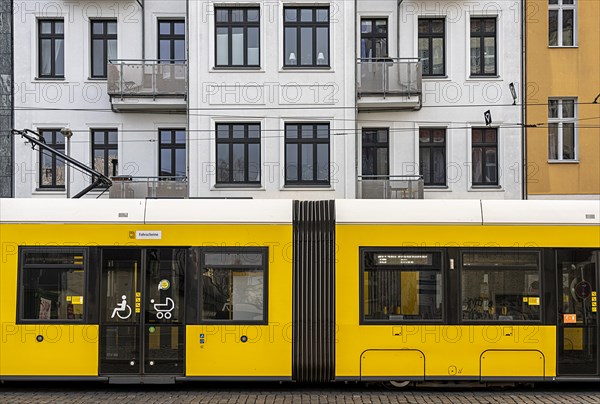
314, 291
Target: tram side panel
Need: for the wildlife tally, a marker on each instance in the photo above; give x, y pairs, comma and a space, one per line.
47, 339
403, 312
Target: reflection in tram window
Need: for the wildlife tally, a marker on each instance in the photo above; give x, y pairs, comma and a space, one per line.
501, 286
402, 286
232, 286
52, 285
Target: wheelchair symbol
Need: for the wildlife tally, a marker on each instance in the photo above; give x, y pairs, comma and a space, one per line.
123, 310
164, 309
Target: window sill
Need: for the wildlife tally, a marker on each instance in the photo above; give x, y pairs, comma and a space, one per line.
237, 187
485, 78
49, 79
485, 188
437, 188
237, 69
50, 191
307, 187
444, 77
563, 161
97, 79
305, 68
563, 47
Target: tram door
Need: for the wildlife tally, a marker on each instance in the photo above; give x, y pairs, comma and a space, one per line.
577, 312
142, 312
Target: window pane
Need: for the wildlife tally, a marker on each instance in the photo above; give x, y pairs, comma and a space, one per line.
97, 28
47, 175
477, 136
306, 44
53, 294
424, 54
322, 162
164, 51
59, 27
490, 25
366, 26
291, 162
382, 161
112, 49
475, 56
306, 14
568, 108
98, 57
322, 15
222, 46
238, 163
553, 141
111, 28
553, 27
165, 162
490, 136
222, 131
552, 108
253, 15
179, 51
394, 295
253, 131
439, 166
307, 162
438, 56
238, 131
179, 28
99, 138
437, 26
98, 163
59, 57
165, 136
222, 15
424, 136
322, 131
291, 14
322, 46
253, 46
180, 136
307, 131
291, 131
291, 52
180, 162
425, 164
491, 165
222, 163
490, 55
567, 34
237, 46
46, 57
254, 162
477, 162
568, 141
46, 27
237, 15
501, 294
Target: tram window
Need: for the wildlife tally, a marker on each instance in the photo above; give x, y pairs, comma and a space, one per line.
501, 286
52, 285
233, 287
399, 286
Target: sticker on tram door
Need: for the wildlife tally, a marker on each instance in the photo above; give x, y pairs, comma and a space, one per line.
569, 318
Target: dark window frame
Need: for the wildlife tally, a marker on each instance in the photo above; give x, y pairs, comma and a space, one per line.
230, 24
376, 146
430, 36
375, 37
403, 250
314, 141
172, 146
314, 24
428, 180
104, 37
540, 270
172, 37
481, 34
264, 252
56, 146
485, 146
53, 37
246, 141
106, 146
21, 286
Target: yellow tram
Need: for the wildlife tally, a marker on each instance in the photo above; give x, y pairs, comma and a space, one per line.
160, 291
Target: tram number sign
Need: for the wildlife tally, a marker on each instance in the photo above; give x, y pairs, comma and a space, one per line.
569, 318
583, 290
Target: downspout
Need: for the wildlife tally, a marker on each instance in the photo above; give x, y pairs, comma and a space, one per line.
524, 99
141, 3
398, 29
356, 132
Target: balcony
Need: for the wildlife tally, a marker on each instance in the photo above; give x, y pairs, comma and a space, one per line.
388, 84
390, 187
143, 85
127, 187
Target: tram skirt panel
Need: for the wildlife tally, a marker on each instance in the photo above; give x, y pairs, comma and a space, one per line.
314, 291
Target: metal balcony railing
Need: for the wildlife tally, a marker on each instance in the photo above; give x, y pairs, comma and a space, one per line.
147, 78
389, 76
390, 187
127, 187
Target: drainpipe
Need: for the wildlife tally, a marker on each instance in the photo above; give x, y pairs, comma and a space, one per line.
141, 4
398, 29
524, 99
358, 137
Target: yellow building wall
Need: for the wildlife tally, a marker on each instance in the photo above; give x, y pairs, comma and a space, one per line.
563, 72
72, 350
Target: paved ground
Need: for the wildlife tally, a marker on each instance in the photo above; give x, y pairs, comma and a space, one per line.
39, 393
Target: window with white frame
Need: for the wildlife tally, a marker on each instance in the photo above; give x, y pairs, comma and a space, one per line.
562, 136
562, 20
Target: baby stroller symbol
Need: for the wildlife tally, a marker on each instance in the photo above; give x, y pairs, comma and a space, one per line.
164, 309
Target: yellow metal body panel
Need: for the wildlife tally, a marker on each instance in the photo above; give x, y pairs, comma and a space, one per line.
519, 363
449, 350
390, 362
75, 350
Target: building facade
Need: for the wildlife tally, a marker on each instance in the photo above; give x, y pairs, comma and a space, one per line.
563, 99
281, 99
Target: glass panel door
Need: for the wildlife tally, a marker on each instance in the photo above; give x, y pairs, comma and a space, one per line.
142, 328
120, 313
164, 311
577, 312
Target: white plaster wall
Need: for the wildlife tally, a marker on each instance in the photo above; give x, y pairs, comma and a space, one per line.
78, 102
272, 96
456, 101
